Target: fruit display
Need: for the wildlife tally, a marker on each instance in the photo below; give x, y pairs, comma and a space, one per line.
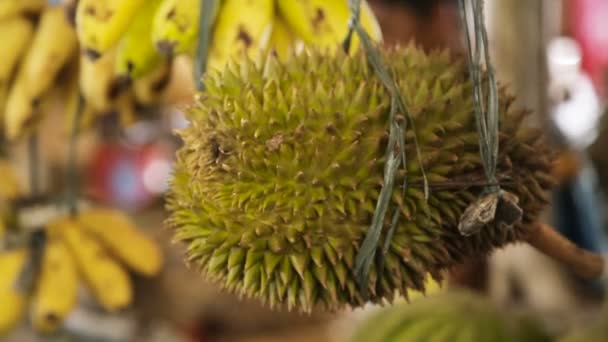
297, 160
282, 166
128, 47
36, 59
453, 316
97, 247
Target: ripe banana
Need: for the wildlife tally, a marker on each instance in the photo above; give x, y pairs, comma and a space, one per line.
101, 23
11, 8
87, 118
68, 93
136, 53
107, 280
175, 27
126, 109
98, 85
242, 27
149, 88
324, 23
56, 293
13, 301
282, 40
20, 110
23, 112
17, 34
9, 183
120, 235
52, 47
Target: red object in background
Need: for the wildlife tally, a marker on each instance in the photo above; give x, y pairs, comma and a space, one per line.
128, 176
587, 22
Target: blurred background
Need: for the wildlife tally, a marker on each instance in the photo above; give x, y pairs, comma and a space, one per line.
552, 53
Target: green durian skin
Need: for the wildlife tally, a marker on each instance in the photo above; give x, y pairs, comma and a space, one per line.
456, 315
282, 164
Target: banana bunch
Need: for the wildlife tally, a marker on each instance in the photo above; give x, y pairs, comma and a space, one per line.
94, 247
255, 27
38, 44
122, 51
42, 64
145, 33
127, 49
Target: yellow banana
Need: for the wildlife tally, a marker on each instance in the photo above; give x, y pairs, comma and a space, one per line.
136, 53
99, 87
56, 293
175, 28
120, 235
23, 112
17, 34
9, 183
242, 27
324, 23
52, 47
11, 8
149, 88
282, 40
87, 118
107, 280
70, 10
21, 108
101, 23
126, 109
11, 299
69, 95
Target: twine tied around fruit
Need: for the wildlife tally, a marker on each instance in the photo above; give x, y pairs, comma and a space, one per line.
399, 117
204, 37
494, 205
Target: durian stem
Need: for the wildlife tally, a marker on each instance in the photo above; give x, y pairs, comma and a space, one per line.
548, 241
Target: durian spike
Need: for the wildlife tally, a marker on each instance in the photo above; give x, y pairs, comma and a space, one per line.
584, 263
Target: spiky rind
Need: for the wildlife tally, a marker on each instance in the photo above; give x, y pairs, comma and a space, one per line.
282, 166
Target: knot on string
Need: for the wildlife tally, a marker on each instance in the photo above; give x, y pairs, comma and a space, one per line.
494, 204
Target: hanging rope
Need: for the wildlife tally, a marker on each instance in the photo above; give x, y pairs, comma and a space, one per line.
204, 38
484, 210
486, 117
399, 118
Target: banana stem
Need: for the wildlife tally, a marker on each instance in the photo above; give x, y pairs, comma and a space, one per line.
72, 172
34, 161
584, 263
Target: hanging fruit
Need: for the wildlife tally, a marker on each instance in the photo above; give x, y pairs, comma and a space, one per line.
282, 166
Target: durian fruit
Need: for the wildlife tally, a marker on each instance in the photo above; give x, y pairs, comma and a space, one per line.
282, 164
452, 316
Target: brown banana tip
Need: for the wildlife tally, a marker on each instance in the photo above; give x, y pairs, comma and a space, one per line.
119, 85
165, 48
91, 54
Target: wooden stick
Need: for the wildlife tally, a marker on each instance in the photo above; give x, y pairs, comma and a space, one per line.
548, 241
